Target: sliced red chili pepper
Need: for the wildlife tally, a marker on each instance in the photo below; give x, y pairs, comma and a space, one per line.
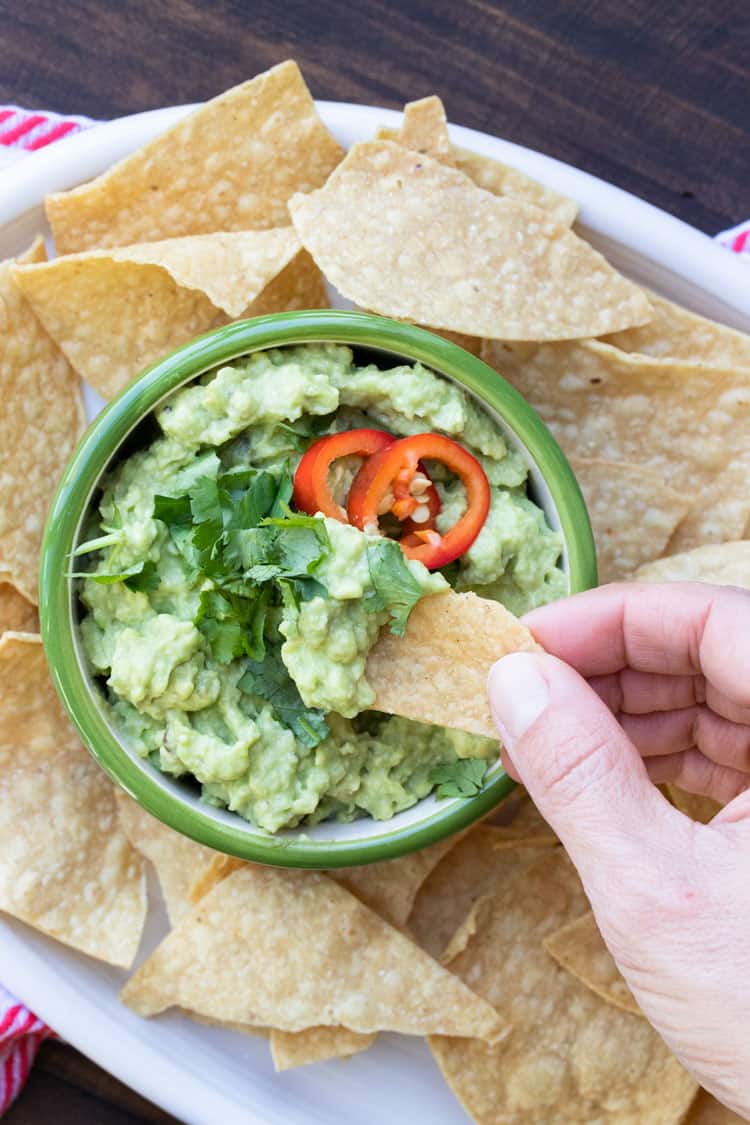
384, 482
312, 492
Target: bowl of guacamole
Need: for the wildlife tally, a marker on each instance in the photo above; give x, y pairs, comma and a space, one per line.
231, 537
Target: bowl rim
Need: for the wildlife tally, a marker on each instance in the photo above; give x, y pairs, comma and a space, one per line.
99, 445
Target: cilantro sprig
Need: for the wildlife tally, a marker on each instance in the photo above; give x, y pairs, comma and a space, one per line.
463, 778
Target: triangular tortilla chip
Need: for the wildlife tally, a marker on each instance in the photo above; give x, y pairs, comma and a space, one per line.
403, 235
718, 512
16, 612
176, 858
676, 333
317, 1044
348, 969
633, 514
684, 421
389, 888
579, 947
40, 422
705, 1110
231, 165
452, 641
726, 564
570, 1057
695, 805
425, 129
471, 870
115, 312
66, 867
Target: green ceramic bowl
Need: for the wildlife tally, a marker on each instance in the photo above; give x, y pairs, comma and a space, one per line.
552, 484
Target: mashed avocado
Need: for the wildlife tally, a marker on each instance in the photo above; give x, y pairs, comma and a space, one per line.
231, 634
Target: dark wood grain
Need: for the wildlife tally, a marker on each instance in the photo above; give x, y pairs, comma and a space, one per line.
651, 96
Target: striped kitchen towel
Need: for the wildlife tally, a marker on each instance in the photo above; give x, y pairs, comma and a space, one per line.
24, 130
21, 1032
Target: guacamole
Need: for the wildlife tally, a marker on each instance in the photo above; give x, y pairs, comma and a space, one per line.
230, 633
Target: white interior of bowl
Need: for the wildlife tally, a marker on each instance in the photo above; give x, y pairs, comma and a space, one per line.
364, 828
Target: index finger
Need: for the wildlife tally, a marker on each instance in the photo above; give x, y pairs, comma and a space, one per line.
673, 628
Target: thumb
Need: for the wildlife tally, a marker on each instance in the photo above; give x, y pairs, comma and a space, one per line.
582, 771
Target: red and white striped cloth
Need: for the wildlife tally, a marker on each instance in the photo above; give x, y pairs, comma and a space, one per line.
21, 132
21, 1032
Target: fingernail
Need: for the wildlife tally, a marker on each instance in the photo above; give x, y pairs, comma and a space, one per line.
518, 693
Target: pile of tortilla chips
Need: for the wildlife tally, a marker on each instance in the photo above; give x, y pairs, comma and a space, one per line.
484, 943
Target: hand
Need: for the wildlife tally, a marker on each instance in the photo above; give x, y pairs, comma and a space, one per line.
667, 699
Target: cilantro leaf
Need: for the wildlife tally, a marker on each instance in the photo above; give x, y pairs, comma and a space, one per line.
395, 587
205, 503
256, 502
270, 680
147, 578
225, 638
459, 779
284, 493
174, 511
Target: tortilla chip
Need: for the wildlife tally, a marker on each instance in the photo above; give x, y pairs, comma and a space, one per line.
425, 129
316, 1044
219, 868
40, 422
676, 333
705, 1110
404, 235
727, 564
570, 1057
390, 888
633, 514
686, 422
470, 871
579, 948
16, 613
66, 868
175, 857
695, 805
451, 642
719, 512
115, 312
520, 819
37, 252
350, 969
229, 166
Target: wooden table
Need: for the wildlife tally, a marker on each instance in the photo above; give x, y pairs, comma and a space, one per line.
650, 96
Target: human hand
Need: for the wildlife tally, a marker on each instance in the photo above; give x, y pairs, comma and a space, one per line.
671, 897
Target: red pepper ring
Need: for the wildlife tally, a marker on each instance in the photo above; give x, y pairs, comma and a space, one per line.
312, 492
388, 473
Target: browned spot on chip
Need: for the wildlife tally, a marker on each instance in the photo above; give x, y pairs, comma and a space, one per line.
406, 236
350, 969
66, 868
451, 642
230, 166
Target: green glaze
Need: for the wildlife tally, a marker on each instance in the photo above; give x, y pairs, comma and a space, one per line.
326, 845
